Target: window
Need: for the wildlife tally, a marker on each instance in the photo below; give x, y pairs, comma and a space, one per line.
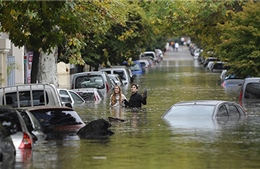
25, 99
76, 98
222, 112
233, 111
252, 91
90, 81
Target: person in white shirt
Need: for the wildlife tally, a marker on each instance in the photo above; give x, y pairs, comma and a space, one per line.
117, 97
176, 46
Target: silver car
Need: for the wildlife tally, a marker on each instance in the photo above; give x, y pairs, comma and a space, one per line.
202, 113
12, 120
70, 96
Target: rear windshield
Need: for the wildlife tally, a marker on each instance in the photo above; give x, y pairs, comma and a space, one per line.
89, 81
149, 54
57, 117
121, 73
25, 99
252, 91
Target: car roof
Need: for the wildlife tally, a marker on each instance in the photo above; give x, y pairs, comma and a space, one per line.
90, 73
200, 102
49, 107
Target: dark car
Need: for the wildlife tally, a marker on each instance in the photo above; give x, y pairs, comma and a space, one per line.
202, 113
57, 120
7, 149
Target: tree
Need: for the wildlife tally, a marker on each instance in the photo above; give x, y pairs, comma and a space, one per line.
241, 40
41, 26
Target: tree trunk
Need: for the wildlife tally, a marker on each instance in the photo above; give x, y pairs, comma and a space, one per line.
48, 68
35, 63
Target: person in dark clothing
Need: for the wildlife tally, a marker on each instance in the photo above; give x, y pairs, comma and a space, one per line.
136, 99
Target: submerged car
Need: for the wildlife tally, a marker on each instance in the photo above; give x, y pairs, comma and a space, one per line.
90, 94
12, 120
137, 68
7, 149
70, 96
201, 113
250, 89
57, 120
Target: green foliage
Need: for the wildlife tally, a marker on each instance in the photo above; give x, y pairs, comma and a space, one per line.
241, 41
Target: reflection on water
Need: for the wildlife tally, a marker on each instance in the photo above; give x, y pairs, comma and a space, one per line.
145, 140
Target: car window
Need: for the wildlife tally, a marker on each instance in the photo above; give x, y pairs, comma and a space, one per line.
222, 111
65, 98
56, 117
10, 121
189, 111
75, 97
90, 81
25, 98
233, 111
252, 91
121, 73
63, 92
135, 67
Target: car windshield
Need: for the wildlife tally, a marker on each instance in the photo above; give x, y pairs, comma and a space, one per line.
135, 67
190, 111
57, 117
251, 91
90, 81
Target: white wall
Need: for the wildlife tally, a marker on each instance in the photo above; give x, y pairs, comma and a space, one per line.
19, 60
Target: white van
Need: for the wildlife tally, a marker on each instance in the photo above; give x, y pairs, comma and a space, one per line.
124, 73
94, 79
29, 95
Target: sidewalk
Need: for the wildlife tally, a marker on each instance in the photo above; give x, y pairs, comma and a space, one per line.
182, 54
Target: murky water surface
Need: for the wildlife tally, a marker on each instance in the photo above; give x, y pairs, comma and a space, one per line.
146, 141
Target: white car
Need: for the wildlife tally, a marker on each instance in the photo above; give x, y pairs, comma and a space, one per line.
144, 63
70, 96
118, 81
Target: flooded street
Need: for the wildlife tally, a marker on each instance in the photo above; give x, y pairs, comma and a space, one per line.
146, 141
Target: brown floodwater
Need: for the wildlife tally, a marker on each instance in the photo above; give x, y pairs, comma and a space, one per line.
146, 141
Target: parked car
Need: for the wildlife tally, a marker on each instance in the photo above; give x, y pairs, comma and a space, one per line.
200, 113
159, 53
90, 94
7, 149
57, 121
233, 82
144, 63
94, 79
250, 89
124, 73
32, 125
218, 66
28, 95
137, 68
12, 120
118, 81
196, 53
152, 55
70, 96
205, 63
